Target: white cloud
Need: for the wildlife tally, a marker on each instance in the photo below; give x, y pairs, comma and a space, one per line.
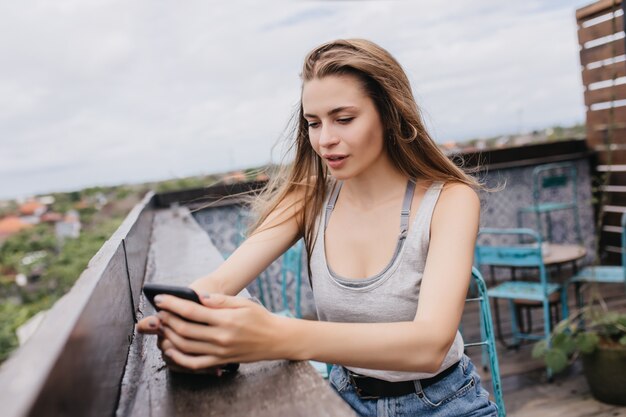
112, 91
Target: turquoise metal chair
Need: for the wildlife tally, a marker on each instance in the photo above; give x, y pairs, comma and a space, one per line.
602, 273
547, 178
487, 342
521, 256
292, 265
262, 281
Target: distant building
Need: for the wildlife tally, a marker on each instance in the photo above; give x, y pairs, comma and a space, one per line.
46, 200
69, 227
100, 200
31, 219
51, 217
11, 225
235, 177
32, 208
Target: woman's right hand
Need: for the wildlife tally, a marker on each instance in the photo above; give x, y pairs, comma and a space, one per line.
151, 325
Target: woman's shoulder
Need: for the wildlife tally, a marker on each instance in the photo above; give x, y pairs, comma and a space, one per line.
455, 195
458, 189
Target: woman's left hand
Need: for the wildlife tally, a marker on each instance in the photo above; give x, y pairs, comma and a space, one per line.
222, 330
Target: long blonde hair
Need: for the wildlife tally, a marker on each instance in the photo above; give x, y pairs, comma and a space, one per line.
408, 144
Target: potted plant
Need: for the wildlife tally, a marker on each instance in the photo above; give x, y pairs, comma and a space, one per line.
598, 336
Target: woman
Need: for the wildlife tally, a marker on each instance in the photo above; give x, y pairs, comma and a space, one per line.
387, 219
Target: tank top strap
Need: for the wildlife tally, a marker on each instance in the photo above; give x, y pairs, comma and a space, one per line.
404, 214
406, 208
331, 202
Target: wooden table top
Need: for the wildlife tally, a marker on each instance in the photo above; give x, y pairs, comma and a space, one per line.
180, 252
563, 253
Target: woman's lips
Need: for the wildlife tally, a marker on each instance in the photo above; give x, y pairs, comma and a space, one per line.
336, 161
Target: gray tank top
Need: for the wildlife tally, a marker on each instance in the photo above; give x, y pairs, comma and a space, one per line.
389, 296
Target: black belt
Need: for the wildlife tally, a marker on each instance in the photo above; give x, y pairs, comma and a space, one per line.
370, 388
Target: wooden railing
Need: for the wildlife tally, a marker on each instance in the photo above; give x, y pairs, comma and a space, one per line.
603, 65
85, 359
73, 364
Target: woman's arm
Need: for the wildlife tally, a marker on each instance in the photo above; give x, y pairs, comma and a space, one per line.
243, 331
277, 233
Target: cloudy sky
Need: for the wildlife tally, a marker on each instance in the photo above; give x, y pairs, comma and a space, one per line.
104, 92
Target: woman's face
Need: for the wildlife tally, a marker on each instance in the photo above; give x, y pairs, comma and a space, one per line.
345, 129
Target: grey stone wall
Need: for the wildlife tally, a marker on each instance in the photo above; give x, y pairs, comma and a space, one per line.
499, 209
226, 227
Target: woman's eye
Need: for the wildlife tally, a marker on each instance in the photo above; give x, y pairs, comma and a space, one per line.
313, 125
345, 120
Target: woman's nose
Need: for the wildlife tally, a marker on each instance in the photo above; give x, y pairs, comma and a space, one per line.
328, 137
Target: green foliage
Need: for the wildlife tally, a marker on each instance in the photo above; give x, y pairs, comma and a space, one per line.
122, 192
12, 316
20, 304
184, 184
75, 196
75, 255
581, 333
556, 359
62, 203
40, 237
586, 342
87, 214
10, 208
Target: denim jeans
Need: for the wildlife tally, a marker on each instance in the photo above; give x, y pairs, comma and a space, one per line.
458, 394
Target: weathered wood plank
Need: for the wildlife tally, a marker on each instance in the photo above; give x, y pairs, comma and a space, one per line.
601, 52
606, 28
73, 364
602, 95
606, 116
136, 246
180, 252
604, 73
597, 9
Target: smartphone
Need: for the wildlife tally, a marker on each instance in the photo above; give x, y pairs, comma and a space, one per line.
152, 290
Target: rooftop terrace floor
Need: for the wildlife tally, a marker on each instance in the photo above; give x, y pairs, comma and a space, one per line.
526, 389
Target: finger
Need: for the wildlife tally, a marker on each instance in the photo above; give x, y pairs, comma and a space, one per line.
192, 346
188, 329
214, 371
164, 344
224, 301
148, 325
188, 310
193, 362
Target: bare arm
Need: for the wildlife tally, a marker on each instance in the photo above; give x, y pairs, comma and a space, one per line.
242, 331
273, 237
256, 253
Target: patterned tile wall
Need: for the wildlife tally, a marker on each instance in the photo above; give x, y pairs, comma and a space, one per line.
498, 209
226, 227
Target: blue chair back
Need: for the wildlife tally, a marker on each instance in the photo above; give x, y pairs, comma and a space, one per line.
487, 342
554, 175
521, 255
549, 177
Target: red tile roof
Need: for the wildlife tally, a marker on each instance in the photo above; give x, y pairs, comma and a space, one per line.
30, 208
51, 217
11, 225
